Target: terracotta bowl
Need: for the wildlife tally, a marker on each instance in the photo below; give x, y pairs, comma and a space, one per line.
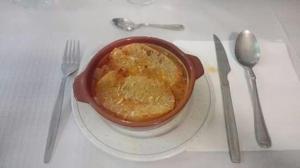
82, 84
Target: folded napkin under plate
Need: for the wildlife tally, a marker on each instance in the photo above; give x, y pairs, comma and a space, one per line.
279, 91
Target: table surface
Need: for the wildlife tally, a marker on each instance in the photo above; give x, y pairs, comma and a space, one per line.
33, 32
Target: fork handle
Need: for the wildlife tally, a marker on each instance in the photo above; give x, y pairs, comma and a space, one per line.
54, 123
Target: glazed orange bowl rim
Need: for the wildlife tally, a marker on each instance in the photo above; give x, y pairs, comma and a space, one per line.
82, 83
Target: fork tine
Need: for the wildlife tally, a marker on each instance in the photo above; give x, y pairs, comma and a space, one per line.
74, 52
77, 58
71, 52
66, 51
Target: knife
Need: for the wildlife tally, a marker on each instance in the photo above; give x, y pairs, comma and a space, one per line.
231, 130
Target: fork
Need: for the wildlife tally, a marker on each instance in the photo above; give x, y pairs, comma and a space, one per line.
70, 64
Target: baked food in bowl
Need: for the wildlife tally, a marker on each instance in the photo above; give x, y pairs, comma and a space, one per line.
138, 81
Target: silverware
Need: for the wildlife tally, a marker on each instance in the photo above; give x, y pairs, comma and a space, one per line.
129, 25
70, 64
231, 130
248, 53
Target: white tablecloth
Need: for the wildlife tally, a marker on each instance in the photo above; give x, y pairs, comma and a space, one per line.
32, 36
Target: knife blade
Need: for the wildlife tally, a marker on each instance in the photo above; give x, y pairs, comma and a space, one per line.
230, 124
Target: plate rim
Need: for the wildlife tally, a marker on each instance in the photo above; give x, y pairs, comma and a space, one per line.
134, 157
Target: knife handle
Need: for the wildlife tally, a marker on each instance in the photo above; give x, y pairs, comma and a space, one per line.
231, 130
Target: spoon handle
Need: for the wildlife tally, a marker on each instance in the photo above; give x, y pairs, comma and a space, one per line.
177, 27
261, 132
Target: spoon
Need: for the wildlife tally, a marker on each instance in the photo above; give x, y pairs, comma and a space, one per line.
129, 25
247, 52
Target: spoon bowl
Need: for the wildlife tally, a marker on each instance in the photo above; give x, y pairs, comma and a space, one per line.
247, 49
125, 24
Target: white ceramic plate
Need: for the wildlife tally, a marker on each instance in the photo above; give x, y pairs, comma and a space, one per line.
147, 145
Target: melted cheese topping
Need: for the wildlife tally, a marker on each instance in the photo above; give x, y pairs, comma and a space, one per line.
140, 82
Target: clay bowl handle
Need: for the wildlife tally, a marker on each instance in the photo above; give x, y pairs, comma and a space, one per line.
80, 88
197, 65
